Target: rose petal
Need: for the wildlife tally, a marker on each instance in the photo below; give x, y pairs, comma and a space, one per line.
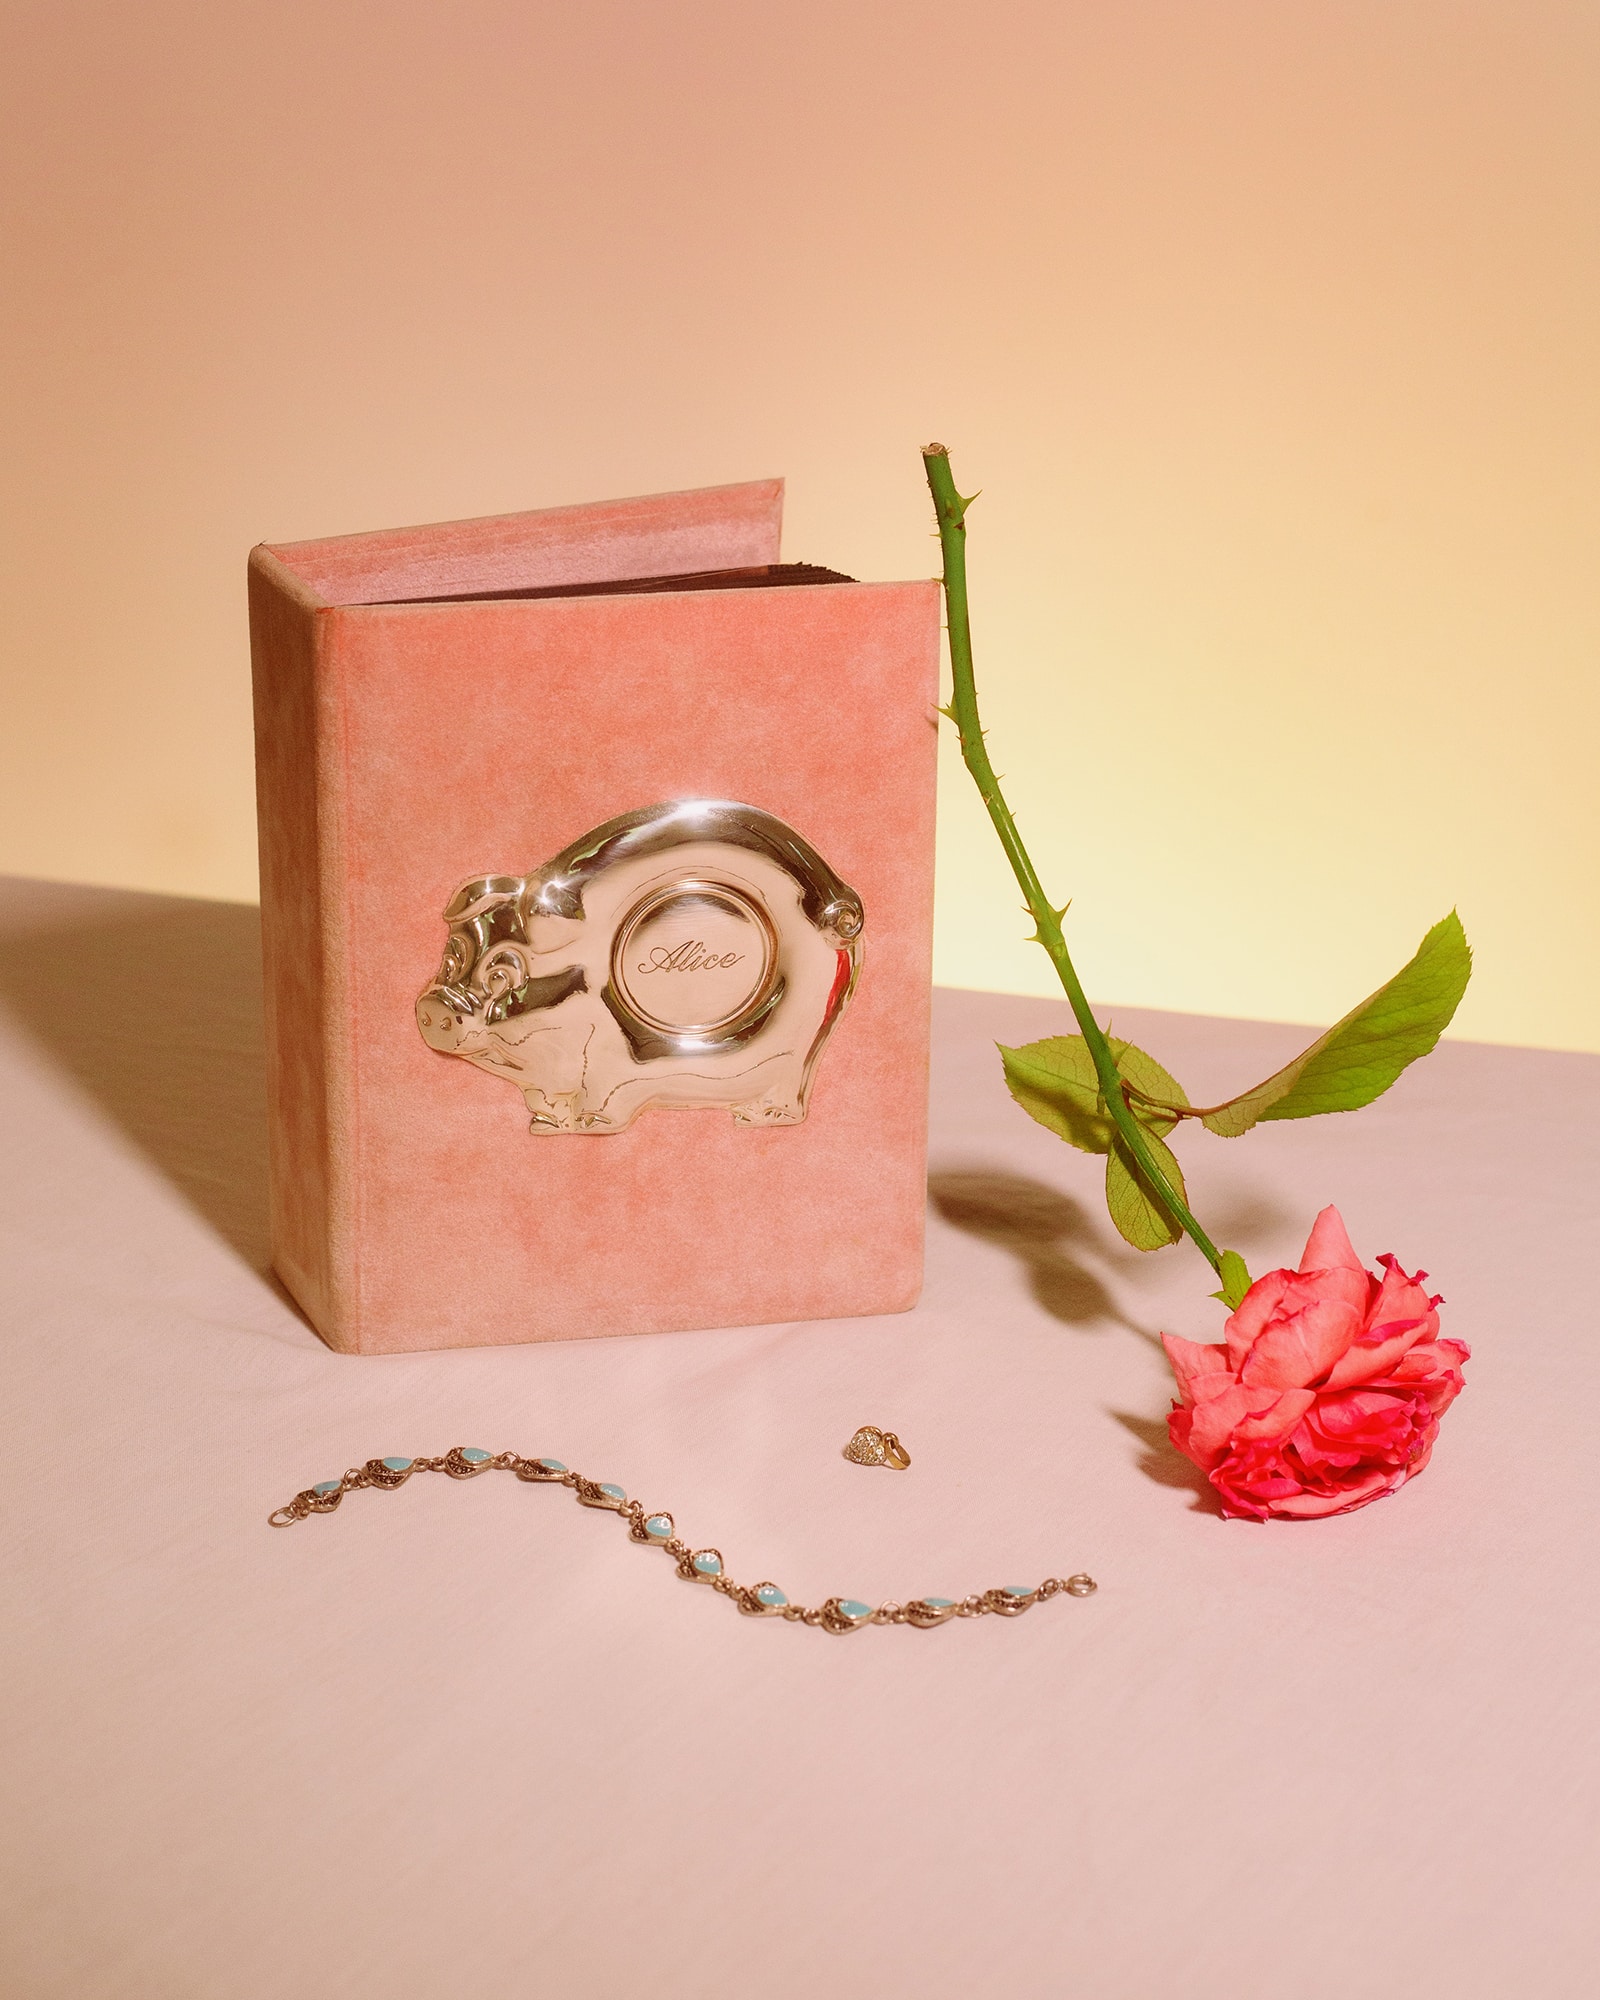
1318, 1506
1376, 1351
1215, 1421
1381, 1426
1433, 1369
1398, 1297
1328, 1247
1251, 1480
1276, 1298
1300, 1350
1255, 1312
1277, 1420
1211, 1425
1193, 1363
1428, 1359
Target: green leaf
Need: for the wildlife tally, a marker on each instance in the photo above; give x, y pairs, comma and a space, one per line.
1140, 1217
1054, 1081
1360, 1056
1235, 1280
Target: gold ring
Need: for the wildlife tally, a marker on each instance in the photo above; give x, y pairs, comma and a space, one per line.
871, 1446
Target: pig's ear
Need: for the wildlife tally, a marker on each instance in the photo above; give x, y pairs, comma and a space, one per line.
483, 892
466, 901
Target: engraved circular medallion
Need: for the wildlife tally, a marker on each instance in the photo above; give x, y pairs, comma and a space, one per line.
694, 958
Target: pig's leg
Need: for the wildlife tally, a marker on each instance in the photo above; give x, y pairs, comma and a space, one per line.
780, 1101
546, 1061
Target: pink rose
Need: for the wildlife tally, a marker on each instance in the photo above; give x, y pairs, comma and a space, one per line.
1327, 1391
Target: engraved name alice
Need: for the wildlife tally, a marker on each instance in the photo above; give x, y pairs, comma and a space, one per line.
690, 956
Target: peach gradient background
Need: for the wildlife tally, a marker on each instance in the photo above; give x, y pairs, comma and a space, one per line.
1269, 331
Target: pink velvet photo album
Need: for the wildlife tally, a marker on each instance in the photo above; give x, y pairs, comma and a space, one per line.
596, 887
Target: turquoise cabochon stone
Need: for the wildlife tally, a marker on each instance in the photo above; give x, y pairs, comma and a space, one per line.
939, 1603
611, 1492
770, 1594
473, 1456
328, 1486
549, 1465
708, 1564
852, 1607
398, 1464
659, 1527
1017, 1589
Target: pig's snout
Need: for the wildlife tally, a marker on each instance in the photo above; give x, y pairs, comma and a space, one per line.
442, 1020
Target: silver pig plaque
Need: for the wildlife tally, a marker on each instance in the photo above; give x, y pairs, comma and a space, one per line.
693, 953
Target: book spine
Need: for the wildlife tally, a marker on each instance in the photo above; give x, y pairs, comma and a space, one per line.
299, 791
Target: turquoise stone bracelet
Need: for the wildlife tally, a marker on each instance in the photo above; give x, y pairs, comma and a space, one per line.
838, 1614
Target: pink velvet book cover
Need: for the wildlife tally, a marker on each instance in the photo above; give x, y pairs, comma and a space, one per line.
405, 747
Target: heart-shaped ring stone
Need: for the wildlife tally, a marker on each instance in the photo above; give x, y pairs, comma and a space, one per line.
866, 1447
871, 1446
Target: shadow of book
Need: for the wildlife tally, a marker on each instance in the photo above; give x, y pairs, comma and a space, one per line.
152, 1004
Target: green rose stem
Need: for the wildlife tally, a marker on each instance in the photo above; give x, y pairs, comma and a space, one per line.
951, 509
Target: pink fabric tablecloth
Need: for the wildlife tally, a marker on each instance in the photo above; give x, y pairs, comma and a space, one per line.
469, 1733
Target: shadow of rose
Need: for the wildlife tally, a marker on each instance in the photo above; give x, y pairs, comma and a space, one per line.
1161, 1461
1047, 1231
